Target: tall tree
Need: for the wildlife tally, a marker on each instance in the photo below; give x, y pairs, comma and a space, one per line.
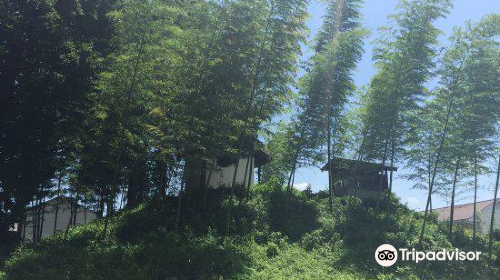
328, 83
272, 65
50, 52
404, 59
470, 95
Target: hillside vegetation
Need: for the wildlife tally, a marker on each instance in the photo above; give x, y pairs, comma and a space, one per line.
274, 235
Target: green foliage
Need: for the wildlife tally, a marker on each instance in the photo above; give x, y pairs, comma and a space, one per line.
455, 131
282, 153
140, 245
496, 251
272, 249
293, 215
87, 257
7, 246
326, 85
404, 59
273, 185
48, 66
496, 234
112, 97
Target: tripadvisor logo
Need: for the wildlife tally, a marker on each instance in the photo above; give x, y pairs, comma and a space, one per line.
386, 255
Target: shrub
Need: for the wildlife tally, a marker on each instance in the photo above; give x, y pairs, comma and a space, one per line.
312, 240
291, 214
275, 235
272, 249
496, 234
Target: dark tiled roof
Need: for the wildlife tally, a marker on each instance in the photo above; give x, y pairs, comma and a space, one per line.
351, 164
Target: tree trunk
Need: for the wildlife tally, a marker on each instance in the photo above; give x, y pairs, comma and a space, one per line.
24, 230
132, 193
330, 175
69, 222
393, 151
100, 210
289, 195
389, 192
259, 175
112, 209
429, 174
37, 218
490, 243
434, 172
438, 156
109, 213
75, 209
121, 200
34, 220
251, 174
247, 171
179, 200
452, 209
231, 198
40, 233
207, 189
384, 160
474, 225
59, 180
163, 181
338, 22
67, 227
296, 158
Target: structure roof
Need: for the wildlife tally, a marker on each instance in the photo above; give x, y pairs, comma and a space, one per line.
351, 164
462, 212
63, 200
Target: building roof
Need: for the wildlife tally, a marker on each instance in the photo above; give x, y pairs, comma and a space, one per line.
63, 200
260, 153
261, 157
462, 212
351, 164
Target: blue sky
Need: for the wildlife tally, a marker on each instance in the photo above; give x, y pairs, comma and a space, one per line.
375, 14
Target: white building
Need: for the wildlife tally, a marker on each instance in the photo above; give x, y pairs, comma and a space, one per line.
222, 175
48, 224
464, 215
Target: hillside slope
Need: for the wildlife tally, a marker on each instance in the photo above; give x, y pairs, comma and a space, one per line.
306, 243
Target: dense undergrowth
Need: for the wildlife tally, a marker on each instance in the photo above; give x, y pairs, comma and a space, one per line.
274, 235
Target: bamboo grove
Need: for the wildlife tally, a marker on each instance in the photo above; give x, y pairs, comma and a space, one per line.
104, 101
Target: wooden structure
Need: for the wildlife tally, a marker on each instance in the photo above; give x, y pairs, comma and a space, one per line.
358, 178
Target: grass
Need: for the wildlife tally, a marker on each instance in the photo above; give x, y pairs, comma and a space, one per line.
140, 245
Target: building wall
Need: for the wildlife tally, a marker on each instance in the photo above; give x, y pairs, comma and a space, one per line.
83, 216
224, 176
484, 223
466, 223
360, 193
364, 194
483, 220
